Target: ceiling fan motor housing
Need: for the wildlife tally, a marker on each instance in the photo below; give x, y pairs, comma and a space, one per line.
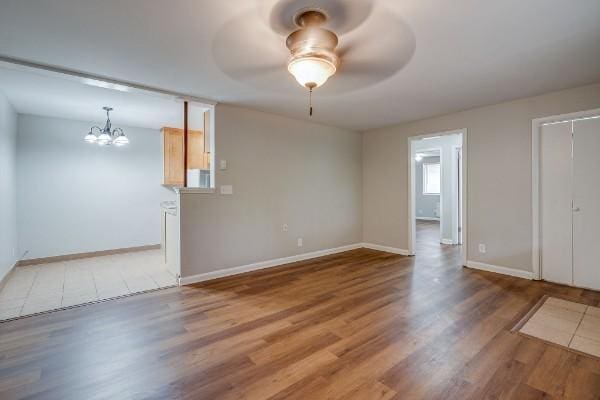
313, 42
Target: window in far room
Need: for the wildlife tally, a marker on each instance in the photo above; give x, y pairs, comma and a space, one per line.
431, 178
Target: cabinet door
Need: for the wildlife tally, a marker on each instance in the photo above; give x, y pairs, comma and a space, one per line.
196, 150
173, 156
586, 199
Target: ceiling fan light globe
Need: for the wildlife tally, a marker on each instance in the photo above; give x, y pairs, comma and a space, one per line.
311, 71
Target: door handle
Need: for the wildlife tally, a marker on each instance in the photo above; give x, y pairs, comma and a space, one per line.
576, 209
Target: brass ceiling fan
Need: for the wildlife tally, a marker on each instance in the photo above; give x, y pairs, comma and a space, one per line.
315, 40
313, 57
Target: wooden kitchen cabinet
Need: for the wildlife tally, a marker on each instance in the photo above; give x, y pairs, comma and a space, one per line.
173, 154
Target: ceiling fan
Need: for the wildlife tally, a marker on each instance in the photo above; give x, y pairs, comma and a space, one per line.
315, 40
313, 58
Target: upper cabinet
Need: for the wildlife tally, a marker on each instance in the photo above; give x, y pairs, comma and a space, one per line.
198, 154
172, 156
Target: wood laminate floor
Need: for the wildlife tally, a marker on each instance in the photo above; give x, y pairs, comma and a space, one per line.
357, 325
428, 237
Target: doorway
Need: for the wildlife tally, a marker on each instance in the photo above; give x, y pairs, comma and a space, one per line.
437, 187
568, 182
89, 194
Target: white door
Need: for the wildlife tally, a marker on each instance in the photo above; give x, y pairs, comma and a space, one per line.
586, 203
555, 203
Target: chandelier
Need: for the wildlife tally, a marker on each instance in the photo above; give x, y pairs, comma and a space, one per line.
106, 136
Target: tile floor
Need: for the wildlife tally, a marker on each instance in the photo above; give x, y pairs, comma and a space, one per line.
569, 324
44, 287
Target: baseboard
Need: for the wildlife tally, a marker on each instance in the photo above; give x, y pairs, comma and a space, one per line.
428, 218
187, 280
500, 270
264, 264
446, 241
4, 279
77, 256
387, 249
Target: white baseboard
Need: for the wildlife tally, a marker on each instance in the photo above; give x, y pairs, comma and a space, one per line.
428, 218
77, 256
4, 279
320, 253
500, 270
221, 273
264, 264
447, 241
387, 249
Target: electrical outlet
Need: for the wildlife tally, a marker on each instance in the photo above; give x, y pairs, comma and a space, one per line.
226, 189
482, 248
300, 243
285, 227
14, 252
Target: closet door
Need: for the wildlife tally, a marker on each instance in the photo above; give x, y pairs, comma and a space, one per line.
586, 203
555, 203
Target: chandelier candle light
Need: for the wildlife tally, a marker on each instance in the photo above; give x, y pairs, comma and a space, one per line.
106, 136
313, 58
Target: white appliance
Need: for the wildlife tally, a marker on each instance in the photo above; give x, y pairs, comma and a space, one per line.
199, 178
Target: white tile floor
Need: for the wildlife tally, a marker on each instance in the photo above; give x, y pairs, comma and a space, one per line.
39, 288
569, 324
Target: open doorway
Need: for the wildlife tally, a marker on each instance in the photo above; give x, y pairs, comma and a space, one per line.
437, 191
94, 168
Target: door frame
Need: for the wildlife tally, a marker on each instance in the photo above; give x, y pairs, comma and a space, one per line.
412, 236
414, 182
457, 195
536, 220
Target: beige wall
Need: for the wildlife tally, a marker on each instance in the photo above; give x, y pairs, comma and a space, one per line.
282, 171
499, 174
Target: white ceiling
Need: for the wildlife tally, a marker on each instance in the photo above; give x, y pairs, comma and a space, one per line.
51, 95
403, 60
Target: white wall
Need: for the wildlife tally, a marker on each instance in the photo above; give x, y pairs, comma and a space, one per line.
282, 171
499, 174
75, 197
425, 204
8, 212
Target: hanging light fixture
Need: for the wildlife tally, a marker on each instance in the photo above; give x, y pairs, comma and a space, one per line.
106, 136
313, 59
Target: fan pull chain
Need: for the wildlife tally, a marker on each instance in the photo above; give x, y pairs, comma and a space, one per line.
310, 102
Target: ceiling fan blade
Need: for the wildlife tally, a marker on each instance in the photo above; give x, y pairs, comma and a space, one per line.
351, 45
368, 58
254, 70
249, 52
367, 68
